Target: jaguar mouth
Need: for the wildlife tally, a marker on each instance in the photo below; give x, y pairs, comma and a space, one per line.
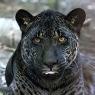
50, 72
50, 75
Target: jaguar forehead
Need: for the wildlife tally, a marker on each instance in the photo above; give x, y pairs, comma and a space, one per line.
51, 33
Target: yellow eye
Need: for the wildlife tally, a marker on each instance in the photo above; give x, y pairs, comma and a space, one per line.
61, 39
36, 40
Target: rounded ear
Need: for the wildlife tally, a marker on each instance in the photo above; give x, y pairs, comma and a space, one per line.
23, 19
76, 18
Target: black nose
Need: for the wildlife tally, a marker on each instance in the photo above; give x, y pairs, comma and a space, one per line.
50, 65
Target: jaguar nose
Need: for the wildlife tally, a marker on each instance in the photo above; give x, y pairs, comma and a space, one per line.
50, 65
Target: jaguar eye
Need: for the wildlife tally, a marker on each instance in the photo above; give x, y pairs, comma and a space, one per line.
36, 40
61, 39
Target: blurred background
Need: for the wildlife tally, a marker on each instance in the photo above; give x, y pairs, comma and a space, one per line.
10, 33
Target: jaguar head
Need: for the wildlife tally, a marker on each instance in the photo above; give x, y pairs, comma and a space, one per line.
49, 43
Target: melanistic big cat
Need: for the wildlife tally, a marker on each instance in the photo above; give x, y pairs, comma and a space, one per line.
46, 61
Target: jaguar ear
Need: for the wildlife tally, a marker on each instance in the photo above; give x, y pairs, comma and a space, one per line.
23, 19
76, 18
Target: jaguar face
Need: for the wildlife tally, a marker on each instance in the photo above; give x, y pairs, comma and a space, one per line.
48, 44
49, 51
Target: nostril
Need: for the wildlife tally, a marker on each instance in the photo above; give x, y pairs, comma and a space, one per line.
50, 65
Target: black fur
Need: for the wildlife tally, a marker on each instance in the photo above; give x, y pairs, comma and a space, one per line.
47, 55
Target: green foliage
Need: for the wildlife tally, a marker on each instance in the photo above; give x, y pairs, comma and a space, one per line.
1, 93
51, 3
